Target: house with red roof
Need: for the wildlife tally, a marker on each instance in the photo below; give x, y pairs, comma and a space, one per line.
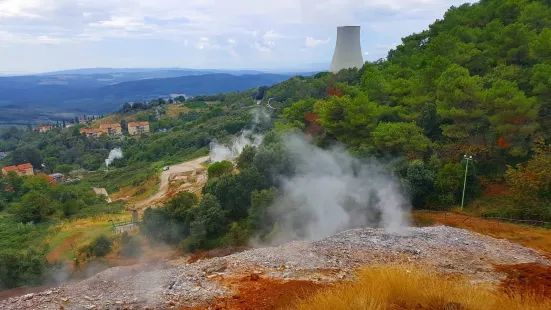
136, 128
22, 170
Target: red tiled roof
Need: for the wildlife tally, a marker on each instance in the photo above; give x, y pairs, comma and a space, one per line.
9, 168
46, 126
134, 124
109, 125
25, 166
21, 167
91, 130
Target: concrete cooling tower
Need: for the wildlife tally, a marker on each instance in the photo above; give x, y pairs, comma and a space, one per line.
348, 51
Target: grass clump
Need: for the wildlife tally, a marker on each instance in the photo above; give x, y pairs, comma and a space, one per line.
406, 287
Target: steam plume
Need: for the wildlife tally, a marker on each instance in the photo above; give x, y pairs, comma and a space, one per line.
331, 191
114, 154
220, 152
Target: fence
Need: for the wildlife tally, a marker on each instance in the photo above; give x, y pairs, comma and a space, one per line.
499, 219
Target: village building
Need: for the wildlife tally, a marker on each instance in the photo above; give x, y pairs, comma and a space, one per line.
43, 128
92, 132
136, 128
21, 170
111, 129
82, 121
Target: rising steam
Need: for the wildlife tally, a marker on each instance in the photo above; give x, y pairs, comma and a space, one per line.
114, 154
331, 191
220, 152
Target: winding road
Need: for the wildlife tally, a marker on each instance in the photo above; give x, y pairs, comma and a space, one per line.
165, 181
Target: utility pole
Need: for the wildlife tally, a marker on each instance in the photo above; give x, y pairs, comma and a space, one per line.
470, 158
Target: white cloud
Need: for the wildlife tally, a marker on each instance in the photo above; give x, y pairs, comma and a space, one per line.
283, 27
311, 42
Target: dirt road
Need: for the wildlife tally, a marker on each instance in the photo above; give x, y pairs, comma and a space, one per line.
188, 166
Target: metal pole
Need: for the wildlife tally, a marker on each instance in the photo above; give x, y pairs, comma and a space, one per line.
465, 180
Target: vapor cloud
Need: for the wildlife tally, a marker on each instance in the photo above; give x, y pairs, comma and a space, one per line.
114, 154
331, 191
219, 152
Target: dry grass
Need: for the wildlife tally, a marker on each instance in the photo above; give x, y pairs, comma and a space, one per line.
406, 287
133, 194
71, 235
174, 110
529, 236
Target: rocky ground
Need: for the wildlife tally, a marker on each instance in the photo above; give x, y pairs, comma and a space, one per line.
333, 258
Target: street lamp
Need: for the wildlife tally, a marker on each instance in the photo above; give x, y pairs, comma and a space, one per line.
470, 158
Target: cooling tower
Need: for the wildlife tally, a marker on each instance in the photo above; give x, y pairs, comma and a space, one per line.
348, 51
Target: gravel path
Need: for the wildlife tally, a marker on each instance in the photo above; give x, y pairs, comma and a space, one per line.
165, 177
336, 257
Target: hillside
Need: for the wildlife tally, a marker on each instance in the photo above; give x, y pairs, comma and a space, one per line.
56, 96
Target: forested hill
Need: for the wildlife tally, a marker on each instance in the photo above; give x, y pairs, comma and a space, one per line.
477, 82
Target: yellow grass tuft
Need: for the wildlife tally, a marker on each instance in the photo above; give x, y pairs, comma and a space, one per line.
406, 287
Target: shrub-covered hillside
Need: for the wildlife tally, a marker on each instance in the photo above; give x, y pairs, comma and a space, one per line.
476, 83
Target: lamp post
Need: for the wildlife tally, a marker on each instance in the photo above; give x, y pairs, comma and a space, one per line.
470, 158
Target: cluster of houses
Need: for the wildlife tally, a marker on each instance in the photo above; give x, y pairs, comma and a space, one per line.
28, 170
134, 128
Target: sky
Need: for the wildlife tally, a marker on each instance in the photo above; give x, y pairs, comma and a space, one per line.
50, 35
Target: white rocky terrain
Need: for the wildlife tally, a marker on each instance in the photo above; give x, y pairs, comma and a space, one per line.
445, 249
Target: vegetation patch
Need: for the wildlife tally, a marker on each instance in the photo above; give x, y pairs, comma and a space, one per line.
408, 287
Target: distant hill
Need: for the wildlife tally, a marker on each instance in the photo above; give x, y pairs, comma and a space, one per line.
129, 71
26, 98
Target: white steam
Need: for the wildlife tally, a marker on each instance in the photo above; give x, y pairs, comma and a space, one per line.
331, 191
220, 152
114, 154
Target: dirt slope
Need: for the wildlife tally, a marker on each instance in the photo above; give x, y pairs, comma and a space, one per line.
164, 179
446, 249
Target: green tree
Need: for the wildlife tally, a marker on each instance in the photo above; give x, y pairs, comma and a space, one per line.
512, 114
405, 138
420, 182
213, 217
101, 246
246, 158
258, 213
219, 169
34, 207
50, 164
459, 98
26, 268
540, 48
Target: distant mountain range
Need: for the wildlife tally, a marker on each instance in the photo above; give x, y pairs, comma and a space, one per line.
54, 95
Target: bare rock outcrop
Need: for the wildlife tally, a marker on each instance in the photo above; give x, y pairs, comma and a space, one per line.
442, 248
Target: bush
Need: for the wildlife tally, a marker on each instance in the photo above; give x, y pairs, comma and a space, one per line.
219, 169
100, 247
34, 207
22, 268
65, 168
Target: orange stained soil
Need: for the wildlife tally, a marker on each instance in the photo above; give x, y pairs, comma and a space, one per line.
254, 292
58, 251
526, 279
528, 236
